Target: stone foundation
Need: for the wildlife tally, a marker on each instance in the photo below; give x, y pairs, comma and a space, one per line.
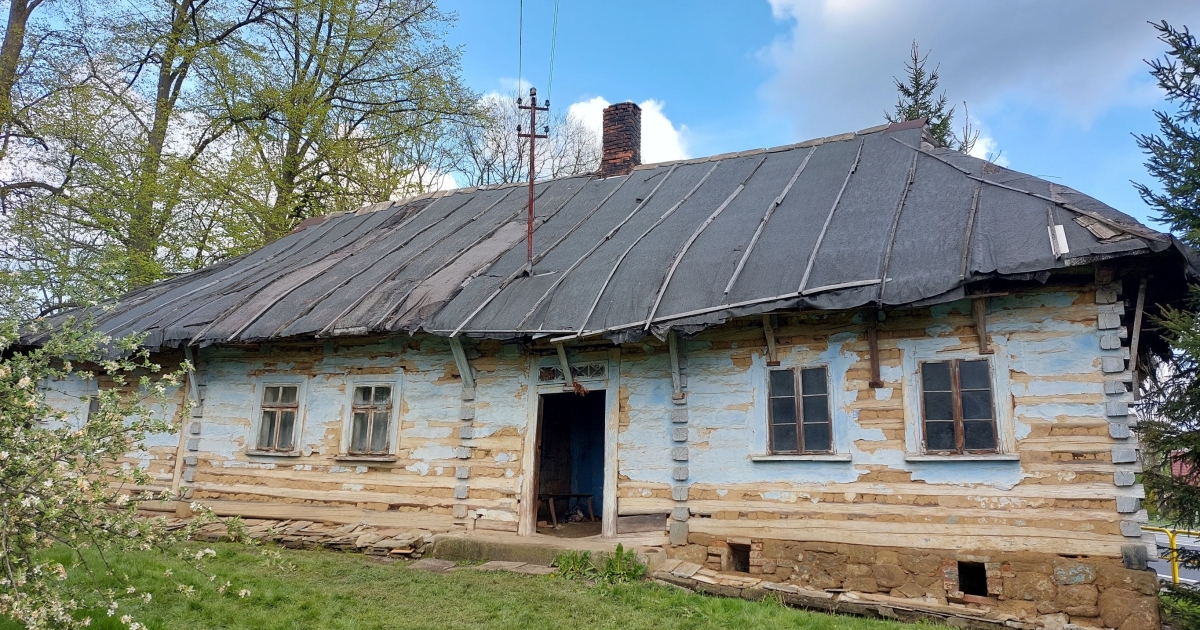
1054, 590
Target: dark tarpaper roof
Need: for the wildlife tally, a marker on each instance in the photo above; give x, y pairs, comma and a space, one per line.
677, 245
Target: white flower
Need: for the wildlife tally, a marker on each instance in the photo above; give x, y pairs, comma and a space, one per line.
24, 382
131, 590
243, 593
3, 455
146, 597
167, 573
123, 499
125, 619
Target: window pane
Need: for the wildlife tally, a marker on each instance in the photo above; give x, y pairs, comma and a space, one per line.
783, 411
379, 432
358, 432
362, 395
266, 430
784, 438
939, 406
287, 426
939, 436
973, 375
287, 395
271, 395
783, 383
383, 395
812, 381
978, 436
816, 409
816, 437
977, 404
935, 377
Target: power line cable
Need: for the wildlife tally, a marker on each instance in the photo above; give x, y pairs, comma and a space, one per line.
553, 41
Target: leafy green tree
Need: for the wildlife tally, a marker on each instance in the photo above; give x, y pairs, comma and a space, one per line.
1170, 427
919, 98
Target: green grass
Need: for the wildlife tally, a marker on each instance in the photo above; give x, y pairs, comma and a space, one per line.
323, 589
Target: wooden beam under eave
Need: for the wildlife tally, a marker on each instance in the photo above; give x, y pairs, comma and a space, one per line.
460, 360
677, 395
979, 308
872, 317
1136, 335
568, 380
769, 332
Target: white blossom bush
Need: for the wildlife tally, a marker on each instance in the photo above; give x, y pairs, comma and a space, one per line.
62, 479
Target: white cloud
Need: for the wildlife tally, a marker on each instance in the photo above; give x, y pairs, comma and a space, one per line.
662, 140
1074, 58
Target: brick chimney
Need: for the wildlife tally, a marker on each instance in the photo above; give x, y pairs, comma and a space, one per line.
622, 139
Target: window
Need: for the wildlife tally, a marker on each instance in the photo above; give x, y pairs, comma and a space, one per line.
277, 424
370, 419
800, 424
957, 407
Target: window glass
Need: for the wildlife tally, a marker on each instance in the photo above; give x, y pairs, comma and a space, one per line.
370, 425
799, 424
957, 407
277, 424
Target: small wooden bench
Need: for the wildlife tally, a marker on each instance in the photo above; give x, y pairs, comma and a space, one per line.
550, 498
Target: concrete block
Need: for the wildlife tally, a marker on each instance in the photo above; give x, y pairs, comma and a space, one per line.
679, 415
680, 473
466, 433
1115, 387
460, 491
1124, 455
1124, 478
194, 428
191, 460
463, 452
679, 493
193, 444
1118, 430
1131, 529
680, 513
1116, 409
679, 453
458, 510
1110, 342
1134, 556
1128, 505
679, 533
197, 410
189, 474
1112, 365
679, 434
468, 393
1108, 321
467, 411
462, 472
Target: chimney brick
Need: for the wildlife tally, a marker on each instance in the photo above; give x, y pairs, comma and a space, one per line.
622, 139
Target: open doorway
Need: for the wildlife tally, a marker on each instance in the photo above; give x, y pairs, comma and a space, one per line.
570, 474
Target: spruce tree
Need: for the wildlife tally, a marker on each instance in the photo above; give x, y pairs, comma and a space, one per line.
1170, 425
918, 98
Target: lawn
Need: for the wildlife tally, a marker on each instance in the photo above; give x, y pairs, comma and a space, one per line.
324, 589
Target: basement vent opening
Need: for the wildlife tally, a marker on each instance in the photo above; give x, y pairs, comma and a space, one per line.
739, 558
972, 578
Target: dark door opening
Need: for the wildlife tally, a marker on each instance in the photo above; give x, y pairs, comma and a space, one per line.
571, 463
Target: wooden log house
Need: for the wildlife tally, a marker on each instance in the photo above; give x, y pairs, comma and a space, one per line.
862, 362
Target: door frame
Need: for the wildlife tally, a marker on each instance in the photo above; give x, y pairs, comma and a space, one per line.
530, 457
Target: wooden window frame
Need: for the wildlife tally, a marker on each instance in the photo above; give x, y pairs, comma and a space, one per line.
798, 402
372, 410
956, 408
278, 408
395, 421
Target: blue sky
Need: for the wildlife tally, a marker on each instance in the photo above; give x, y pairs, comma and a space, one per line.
1057, 88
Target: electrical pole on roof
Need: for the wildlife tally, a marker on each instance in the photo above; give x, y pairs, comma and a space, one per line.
533, 135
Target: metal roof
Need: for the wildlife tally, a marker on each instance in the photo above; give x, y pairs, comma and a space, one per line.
878, 216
